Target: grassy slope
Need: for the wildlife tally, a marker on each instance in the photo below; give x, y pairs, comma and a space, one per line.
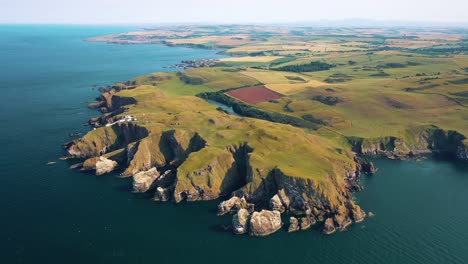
294, 151
384, 94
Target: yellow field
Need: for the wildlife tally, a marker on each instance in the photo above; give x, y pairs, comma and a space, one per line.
274, 77
292, 88
252, 59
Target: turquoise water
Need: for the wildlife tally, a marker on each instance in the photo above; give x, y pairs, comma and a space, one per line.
51, 214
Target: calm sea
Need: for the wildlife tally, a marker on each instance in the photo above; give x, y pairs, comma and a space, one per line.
50, 214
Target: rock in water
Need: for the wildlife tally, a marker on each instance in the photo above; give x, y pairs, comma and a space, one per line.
358, 214
293, 224
163, 194
306, 222
329, 227
144, 181
240, 222
265, 223
233, 204
104, 165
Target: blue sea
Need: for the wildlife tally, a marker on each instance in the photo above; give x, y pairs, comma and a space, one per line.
51, 214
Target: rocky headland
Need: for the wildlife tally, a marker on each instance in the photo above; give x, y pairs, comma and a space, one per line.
184, 150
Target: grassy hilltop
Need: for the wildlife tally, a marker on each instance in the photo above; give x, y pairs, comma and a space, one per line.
342, 93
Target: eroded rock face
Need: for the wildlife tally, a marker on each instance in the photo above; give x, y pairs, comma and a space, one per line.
329, 226
264, 223
306, 222
342, 219
144, 181
104, 165
233, 205
357, 213
218, 166
163, 194
104, 139
293, 224
276, 204
462, 153
240, 222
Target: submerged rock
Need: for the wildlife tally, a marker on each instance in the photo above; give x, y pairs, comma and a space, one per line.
240, 222
329, 226
234, 204
264, 223
144, 181
293, 224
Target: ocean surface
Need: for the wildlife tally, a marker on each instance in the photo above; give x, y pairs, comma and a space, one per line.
50, 214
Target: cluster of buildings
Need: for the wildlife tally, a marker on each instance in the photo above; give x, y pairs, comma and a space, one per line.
202, 63
127, 118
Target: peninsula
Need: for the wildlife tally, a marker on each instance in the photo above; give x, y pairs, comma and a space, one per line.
282, 127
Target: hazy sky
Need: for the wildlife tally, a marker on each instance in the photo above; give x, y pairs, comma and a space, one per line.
232, 11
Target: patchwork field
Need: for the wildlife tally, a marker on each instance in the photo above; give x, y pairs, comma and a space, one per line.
288, 114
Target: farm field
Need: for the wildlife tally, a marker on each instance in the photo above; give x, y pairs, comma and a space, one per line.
253, 95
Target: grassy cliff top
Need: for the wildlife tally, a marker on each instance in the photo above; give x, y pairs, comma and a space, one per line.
371, 85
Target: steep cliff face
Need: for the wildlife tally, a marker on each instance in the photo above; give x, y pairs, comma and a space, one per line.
104, 139
206, 175
317, 200
414, 142
184, 155
462, 151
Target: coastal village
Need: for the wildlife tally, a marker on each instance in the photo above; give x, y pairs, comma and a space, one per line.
202, 63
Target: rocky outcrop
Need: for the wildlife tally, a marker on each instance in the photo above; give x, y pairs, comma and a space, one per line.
104, 139
104, 165
109, 101
163, 194
364, 165
462, 151
145, 180
100, 164
293, 224
234, 204
342, 221
276, 204
304, 197
240, 222
306, 222
357, 213
264, 223
329, 226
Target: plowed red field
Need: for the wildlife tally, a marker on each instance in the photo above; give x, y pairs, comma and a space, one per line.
255, 94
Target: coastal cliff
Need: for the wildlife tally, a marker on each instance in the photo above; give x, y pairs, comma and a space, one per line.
183, 149
222, 156
415, 142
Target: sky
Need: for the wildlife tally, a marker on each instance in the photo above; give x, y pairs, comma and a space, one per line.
232, 11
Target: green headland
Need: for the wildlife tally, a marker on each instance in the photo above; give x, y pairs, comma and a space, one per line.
311, 104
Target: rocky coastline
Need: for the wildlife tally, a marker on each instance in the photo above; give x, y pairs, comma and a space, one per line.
161, 162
